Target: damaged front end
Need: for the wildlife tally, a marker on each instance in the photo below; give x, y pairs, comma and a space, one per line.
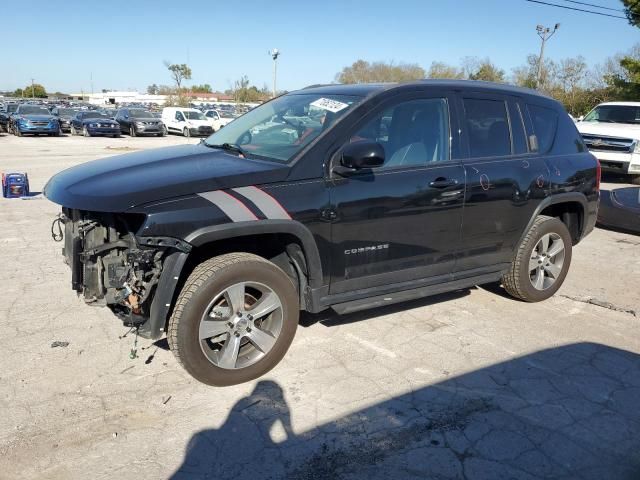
110, 265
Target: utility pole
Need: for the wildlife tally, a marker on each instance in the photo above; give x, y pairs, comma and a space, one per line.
275, 53
33, 93
545, 33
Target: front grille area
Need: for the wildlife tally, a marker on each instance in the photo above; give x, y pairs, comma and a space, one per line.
601, 143
40, 124
106, 125
205, 129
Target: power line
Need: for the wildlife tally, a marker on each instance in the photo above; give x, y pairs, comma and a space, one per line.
595, 6
576, 9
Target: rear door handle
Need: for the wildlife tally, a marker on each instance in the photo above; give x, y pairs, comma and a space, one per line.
443, 182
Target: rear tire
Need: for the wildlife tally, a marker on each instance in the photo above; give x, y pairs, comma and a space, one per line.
541, 262
207, 304
85, 132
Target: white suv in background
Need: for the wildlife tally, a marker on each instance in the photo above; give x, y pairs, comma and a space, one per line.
186, 121
611, 132
218, 118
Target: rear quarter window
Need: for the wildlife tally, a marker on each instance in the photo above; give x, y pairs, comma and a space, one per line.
545, 125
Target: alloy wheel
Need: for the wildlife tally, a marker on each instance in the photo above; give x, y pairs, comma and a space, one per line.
546, 262
240, 325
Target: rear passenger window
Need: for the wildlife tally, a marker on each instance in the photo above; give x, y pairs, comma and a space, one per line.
487, 127
545, 122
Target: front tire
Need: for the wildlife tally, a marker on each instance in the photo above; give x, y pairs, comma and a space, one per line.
85, 132
132, 131
541, 262
234, 320
635, 179
186, 132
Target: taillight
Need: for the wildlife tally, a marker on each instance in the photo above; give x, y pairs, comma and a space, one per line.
598, 174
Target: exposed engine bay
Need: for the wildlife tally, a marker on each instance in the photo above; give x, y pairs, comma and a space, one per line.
109, 267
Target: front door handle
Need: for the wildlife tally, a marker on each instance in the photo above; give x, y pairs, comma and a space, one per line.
442, 182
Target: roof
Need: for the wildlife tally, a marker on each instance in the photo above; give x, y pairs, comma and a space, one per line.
365, 89
622, 104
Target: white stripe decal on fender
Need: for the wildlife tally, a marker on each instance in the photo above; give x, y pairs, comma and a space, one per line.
231, 206
265, 202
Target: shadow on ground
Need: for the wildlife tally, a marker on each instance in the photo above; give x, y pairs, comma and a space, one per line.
566, 412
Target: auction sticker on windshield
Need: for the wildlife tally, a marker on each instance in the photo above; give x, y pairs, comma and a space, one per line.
333, 106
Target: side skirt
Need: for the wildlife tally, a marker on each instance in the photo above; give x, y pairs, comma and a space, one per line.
391, 294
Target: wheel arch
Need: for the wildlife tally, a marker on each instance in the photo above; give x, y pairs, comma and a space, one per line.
571, 208
293, 240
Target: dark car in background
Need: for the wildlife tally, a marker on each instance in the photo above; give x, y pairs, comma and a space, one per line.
138, 121
34, 120
92, 123
6, 111
64, 116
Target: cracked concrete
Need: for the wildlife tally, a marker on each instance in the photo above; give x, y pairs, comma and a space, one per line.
468, 385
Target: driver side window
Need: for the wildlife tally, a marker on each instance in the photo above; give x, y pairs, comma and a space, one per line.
179, 117
412, 133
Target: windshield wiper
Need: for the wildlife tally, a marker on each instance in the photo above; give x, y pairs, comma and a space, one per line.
229, 147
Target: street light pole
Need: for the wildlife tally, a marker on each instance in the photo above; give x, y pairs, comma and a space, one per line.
545, 34
275, 53
33, 93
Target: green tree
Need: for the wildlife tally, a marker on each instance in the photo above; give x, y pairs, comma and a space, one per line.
29, 91
179, 73
444, 71
153, 89
624, 82
484, 70
632, 10
204, 88
362, 71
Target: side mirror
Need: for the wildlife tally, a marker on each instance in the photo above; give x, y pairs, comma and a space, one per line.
362, 154
580, 118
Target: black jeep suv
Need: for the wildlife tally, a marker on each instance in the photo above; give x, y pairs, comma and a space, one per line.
335, 196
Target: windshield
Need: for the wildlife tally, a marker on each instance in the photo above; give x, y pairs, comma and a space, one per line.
279, 129
224, 114
12, 107
194, 115
140, 114
66, 111
28, 110
614, 114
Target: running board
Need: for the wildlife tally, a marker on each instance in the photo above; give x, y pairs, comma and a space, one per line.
406, 295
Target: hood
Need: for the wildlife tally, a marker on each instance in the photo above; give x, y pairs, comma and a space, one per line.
36, 118
118, 183
620, 130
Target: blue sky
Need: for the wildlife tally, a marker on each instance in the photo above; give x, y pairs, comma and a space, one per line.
122, 44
